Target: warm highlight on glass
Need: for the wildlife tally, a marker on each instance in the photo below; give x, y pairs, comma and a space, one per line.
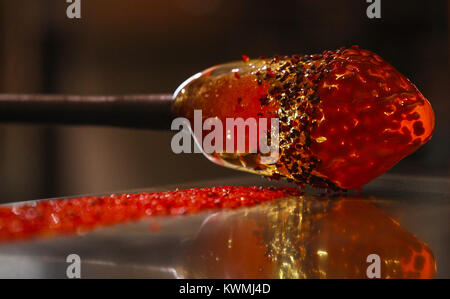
346, 116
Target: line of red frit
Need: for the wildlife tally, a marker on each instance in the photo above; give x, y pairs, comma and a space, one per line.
67, 216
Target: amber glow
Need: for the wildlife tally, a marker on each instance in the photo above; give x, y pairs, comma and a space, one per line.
304, 238
346, 116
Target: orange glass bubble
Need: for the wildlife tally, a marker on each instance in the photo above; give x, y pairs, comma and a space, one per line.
346, 116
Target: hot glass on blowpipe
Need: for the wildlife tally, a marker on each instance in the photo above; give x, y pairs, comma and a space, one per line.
345, 116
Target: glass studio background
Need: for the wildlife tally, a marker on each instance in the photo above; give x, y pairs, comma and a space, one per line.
145, 46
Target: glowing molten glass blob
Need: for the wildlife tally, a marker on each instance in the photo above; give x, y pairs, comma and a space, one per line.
346, 116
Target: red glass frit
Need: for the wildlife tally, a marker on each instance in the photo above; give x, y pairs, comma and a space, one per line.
68, 216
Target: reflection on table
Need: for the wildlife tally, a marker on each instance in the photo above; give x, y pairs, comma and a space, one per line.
307, 237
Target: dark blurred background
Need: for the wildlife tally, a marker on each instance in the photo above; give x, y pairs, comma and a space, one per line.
145, 46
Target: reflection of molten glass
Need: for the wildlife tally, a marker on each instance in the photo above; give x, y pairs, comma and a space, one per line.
307, 239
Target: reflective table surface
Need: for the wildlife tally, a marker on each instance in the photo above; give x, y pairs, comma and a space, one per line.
399, 222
